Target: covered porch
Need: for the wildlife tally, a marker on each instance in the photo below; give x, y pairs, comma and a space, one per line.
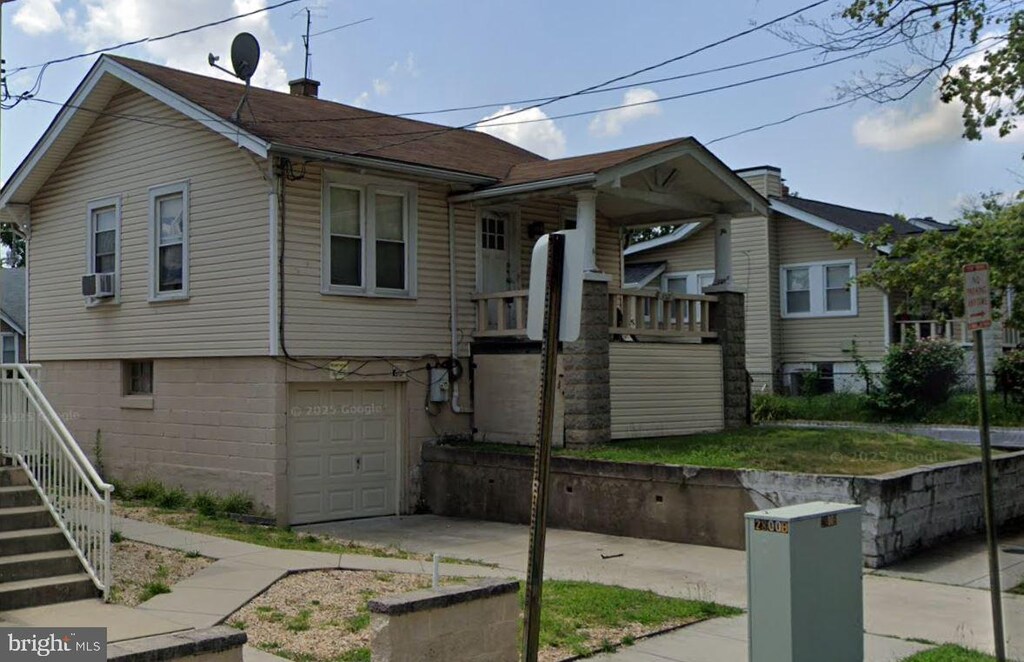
646, 362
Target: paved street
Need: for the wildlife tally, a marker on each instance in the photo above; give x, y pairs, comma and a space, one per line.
1008, 438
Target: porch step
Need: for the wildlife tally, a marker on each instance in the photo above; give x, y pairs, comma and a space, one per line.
26, 517
28, 541
19, 496
10, 476
47, 591
36, 565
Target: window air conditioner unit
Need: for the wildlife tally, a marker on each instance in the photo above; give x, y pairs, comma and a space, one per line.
98, 286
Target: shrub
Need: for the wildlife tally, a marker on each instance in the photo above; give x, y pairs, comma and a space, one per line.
206, 503
918, 375
768, 407
149, 490
1009, 373
173, 499
238, 503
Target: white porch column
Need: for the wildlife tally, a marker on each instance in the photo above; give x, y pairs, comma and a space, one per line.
723, 249
586, 220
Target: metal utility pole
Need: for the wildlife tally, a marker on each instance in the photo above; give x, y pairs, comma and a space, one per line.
978, 311
542, 453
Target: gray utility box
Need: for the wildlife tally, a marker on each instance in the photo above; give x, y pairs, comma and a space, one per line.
804, 584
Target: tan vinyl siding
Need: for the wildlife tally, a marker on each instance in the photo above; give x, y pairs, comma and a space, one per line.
319, 324
750, 261
227, 313
828, 339
552, 212
662, 389
695, 253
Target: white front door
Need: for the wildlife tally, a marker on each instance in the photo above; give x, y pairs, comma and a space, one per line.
497, 259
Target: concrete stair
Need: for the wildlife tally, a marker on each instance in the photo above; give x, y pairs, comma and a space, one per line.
37, 565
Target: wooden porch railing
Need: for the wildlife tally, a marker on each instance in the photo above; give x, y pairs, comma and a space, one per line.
652, 313
501, 314
955, 330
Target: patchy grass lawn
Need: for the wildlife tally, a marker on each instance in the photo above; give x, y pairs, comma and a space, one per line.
142, 571
961, 409
950, 654
579, 618
321, 616
257, 534
801, 450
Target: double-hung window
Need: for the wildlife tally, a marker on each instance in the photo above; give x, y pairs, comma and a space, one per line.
825, 289
369, 238
104, 242
168, 253
9, 345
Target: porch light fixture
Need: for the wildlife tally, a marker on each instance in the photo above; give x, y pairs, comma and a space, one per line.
535, 229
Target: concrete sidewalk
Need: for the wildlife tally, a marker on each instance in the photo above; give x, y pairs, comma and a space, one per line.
934, 598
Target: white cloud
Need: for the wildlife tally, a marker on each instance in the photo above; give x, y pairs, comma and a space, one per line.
361, 100
895, 129
611, 122
105, 22
381, 87
541, 136
36, 17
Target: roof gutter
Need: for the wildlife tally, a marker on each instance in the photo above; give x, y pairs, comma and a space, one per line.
382, 164
528, 187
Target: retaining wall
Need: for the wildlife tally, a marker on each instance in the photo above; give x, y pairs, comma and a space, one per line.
904, 511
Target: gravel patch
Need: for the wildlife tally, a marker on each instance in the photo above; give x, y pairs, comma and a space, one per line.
139, 568
319, 615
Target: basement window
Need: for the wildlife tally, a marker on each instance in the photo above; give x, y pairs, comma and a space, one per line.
137, 377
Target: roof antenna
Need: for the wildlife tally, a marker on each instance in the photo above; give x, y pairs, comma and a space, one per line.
305, 42
245, 57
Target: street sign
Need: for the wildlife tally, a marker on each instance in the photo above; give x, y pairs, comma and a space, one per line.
572, 287
977, 296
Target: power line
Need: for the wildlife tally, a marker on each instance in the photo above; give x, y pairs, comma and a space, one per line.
340, 27
34, 89
623, 77
145, 40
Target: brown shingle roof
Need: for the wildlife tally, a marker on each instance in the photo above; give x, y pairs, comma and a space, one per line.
535, 171
334, 127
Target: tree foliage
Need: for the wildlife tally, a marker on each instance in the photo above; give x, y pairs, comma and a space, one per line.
12, 247
974, 48
925, 271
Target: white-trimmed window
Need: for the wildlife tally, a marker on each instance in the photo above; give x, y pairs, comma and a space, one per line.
687, 282
168, 242
104, 237
823, 289
9, 347
369, 238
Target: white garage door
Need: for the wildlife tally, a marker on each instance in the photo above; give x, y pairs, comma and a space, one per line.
342, 451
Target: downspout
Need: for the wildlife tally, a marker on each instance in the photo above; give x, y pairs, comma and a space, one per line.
453, 304
273, 296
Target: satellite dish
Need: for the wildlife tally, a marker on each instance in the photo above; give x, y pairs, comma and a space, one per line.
245, 55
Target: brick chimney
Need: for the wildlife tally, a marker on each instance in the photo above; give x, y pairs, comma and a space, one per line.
766, 180
304, 87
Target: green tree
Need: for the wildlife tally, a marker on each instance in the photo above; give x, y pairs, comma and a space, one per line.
925, 271
12, 247
922, 41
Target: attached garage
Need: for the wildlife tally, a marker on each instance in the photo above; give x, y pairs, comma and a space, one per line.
343, 451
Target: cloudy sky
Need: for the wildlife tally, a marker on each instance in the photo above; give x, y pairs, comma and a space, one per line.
417, 55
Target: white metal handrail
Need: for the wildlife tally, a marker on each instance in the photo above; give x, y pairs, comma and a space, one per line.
33, 434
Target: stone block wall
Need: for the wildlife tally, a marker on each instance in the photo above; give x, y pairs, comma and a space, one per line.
586, 384
468, 622
728, 318
211, 424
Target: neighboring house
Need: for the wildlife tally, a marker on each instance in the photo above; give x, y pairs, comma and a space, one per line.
291, 304
12, 316
804, 311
